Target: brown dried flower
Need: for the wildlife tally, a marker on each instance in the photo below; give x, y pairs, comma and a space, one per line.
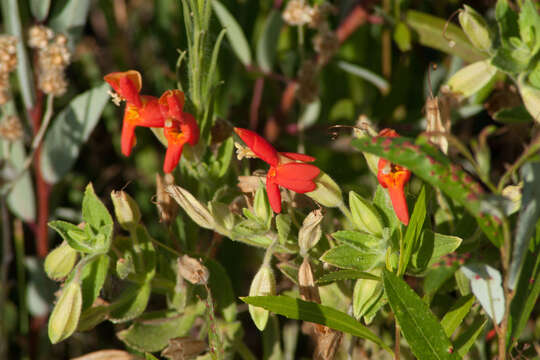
39, 36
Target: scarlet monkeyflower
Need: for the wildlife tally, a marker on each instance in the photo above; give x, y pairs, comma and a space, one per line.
179, 127
394, 177
141, 110
285, 170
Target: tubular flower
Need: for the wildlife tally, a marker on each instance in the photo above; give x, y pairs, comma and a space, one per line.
394, 177
285, 170
141, 110
179, 127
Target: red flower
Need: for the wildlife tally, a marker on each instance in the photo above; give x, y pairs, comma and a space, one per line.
394, 177
179, 128
141, 110
284, 170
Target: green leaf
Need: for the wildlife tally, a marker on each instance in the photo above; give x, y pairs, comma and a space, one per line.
283, 226
432, 247
464, 341
69, 17
312, 312
271, 341
153, 334
402, 36
382, 202
40, 9
12, 25
528, 217
131, 303
507, 20
70, 130
486, 285
222, 290
431, 30
348, 257
75, 237
412, 235
456, 314
429, 164
267, 44
93, 211
529, 26
346, 275
224, 156
236, 36
511, 59
365, 74
526, 293
21, 199
92, 279
358, 239
515, 115
420, 327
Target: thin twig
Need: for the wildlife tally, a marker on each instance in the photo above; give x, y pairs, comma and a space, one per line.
7, 256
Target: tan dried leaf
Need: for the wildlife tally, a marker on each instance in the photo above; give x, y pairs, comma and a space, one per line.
192, 270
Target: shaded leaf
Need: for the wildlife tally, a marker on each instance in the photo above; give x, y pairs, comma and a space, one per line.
40, 9
267, 44
456, 314
69, 17
528, 217
486, 286
70, 130
464, 342
131, 303
412, 235
236, 36
92, 279
365, 74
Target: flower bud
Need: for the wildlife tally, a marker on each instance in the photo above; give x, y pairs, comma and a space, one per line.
192, 270
475, 27
65, 315
126, 210
364, 215
472, 78
261, 206
125, 266
531, 98
193, 207
366, 293
263, 284
310, 232
327, 192
60, 261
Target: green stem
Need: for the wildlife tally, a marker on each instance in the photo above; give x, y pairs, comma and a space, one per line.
345, 212
244, 351
18, 237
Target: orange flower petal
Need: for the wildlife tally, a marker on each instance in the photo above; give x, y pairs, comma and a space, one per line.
127, 84
399, 203
172, 103
274, 196
128, 138
298, 157
190, 128
172, 156
299, 186
259, 146
297, 171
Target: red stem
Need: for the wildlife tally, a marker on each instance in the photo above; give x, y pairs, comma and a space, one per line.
43, 189
256, 103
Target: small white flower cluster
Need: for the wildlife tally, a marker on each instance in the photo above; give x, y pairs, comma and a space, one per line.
53, 58
11, 128
298, 13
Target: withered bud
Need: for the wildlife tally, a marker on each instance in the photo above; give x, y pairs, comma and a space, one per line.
108, 355
11, 128
310, 232
197, 211
39, 36
167, 207
126, 210
183, 348
326, 44
54, 56
308, 290
192, 270
250, 184
308, 87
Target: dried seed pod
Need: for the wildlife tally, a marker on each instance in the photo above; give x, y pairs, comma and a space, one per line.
192, 270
